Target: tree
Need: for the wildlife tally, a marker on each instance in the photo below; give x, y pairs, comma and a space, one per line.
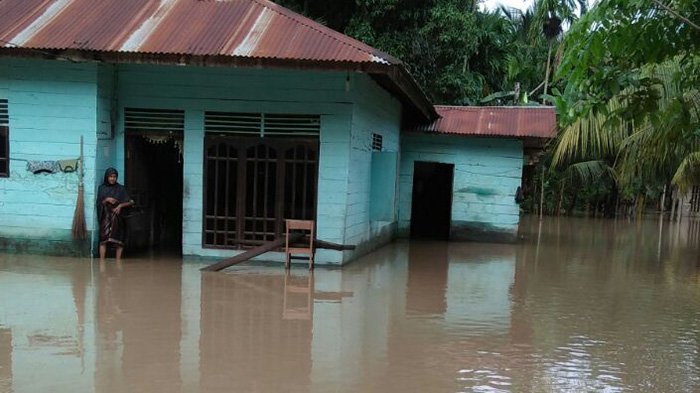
457, 53
632, 98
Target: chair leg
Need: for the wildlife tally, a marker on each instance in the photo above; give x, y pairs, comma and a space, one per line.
286, 262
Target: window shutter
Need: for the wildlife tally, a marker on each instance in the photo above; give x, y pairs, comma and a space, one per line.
4, 139
136, 119
377, 142
262, 124
4, 113
234, 123
302, 125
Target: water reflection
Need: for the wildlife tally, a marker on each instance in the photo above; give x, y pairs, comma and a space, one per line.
584, 305
256, 333
5, 359
137, 311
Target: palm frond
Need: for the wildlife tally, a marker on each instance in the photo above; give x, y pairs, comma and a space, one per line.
590, 171
688, 172
590, 136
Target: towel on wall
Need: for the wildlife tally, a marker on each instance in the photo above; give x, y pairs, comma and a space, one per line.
68, 165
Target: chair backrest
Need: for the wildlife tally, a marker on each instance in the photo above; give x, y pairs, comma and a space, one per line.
300, 224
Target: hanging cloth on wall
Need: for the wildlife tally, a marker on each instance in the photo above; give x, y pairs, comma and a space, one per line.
36, 167
68, 165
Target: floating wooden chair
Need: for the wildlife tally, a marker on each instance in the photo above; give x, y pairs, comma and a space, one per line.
291, 248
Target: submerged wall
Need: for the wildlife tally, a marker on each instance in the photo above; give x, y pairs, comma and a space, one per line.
372, 194
51, 105
487, 173
345, 156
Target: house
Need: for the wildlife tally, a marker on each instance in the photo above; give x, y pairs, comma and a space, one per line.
223, 119
460, 173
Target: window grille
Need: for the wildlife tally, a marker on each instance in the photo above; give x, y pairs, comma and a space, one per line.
251, 185
377, 142
4, 139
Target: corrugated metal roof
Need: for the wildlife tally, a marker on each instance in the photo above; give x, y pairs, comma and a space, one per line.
537, 122
245, 28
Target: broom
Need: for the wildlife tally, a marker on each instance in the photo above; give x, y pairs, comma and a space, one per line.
79, 230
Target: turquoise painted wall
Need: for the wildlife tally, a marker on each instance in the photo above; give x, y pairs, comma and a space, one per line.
375, 111
105, 150
51, 104
487, 173
196, 90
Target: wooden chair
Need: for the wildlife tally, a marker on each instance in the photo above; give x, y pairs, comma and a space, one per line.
306, 249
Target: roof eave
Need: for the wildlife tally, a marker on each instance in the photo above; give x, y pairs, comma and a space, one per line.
401, 84
528, 140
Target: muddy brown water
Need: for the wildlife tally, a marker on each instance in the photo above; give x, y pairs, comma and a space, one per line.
580, 306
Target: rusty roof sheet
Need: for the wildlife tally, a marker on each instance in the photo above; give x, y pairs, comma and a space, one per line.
237, 28
537, 122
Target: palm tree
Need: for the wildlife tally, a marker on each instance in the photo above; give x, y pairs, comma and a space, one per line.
646, 152
549, 19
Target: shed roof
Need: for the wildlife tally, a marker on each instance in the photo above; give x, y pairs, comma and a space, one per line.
207, 32
509, 121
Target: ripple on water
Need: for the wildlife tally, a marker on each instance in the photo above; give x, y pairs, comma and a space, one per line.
484, 380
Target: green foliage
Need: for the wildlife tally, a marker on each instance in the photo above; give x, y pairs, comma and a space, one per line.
632, 99
610, 48
456, 52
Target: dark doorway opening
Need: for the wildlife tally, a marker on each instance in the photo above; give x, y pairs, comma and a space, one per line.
154, 180
431, 205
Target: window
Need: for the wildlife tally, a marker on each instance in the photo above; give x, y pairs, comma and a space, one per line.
4, 139
259, 169
377, 142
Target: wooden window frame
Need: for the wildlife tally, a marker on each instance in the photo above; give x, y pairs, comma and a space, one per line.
240, 226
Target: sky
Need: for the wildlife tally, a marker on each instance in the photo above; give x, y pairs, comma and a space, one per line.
493, 4
522, 4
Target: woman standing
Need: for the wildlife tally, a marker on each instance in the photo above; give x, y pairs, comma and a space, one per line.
112, 198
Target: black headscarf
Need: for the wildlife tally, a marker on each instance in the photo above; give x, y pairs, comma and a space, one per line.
116, 190
108, 173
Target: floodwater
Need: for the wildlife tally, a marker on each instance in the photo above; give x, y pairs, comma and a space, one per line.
582, 306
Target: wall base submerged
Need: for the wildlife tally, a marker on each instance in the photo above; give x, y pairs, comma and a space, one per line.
481, 232
382, 233
59, 245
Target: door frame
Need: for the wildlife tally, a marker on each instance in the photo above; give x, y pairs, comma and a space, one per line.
451, 166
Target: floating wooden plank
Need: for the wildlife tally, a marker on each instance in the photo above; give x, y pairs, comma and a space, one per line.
270, 246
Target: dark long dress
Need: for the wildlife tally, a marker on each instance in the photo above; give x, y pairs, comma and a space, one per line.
112, 228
